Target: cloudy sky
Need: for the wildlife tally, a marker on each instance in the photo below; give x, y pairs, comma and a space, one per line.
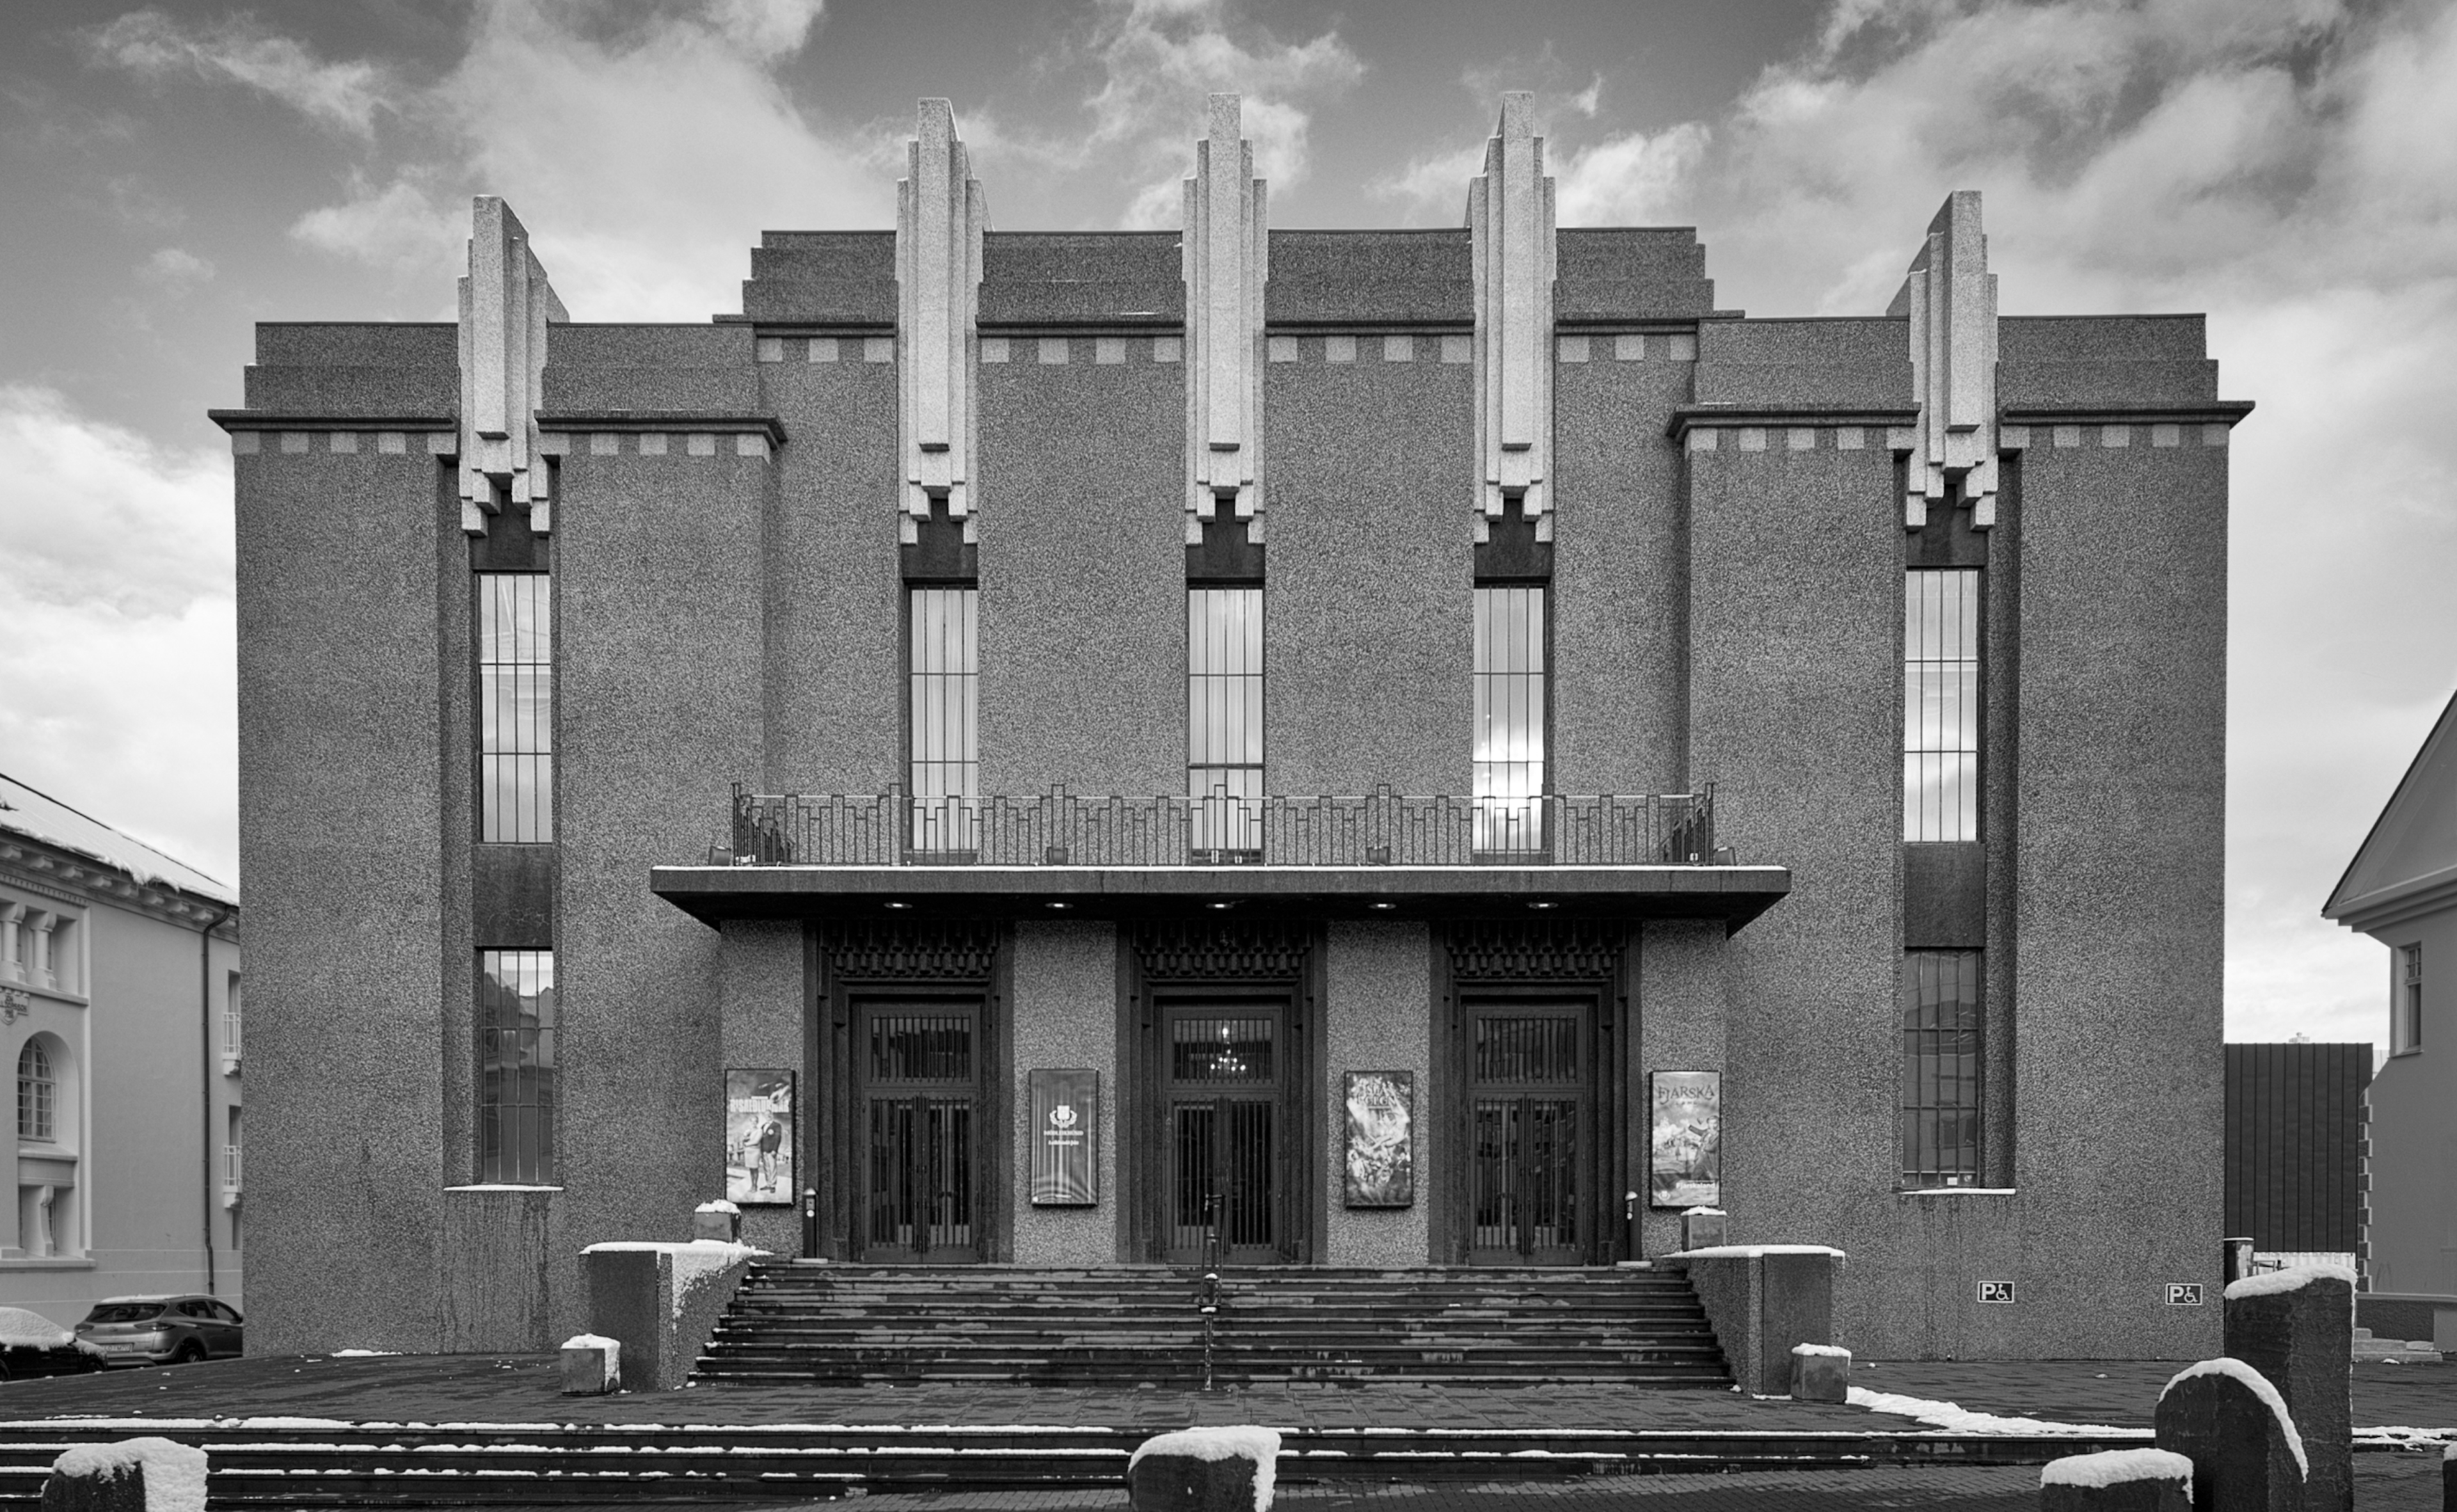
171, 174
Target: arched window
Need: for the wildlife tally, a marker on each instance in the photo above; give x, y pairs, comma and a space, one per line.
37, 1094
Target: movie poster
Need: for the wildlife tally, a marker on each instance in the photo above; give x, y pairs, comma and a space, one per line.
1065, 1135
759, 1137
1381, 1139
1688, 1165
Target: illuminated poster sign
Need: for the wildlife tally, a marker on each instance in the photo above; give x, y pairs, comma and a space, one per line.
1065, 1135
1687, 1164
759, 1136
1381, 1139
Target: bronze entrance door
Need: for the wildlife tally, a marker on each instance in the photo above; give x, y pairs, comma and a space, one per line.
1530, 1134
916, 1111
1221, 1089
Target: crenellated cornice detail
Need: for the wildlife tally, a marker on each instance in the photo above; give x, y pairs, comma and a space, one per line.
941, 214
505, 306
1227, 253
1509, 220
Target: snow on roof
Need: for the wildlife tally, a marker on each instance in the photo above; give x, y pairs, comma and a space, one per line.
40, 816
30, 1330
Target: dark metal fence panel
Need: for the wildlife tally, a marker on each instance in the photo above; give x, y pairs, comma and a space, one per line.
2294, 1131
1059, 828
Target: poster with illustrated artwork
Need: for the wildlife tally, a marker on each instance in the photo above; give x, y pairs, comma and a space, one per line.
1381, 1139
758, 1137
1686, 1167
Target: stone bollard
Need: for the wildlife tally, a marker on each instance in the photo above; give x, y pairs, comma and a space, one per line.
718, 1220
1820, 1373
1204, 1470
2297, 1327
1702, 1227
2233, 1426
2448, 1479
2117, 1481
134, 1475
592, 1365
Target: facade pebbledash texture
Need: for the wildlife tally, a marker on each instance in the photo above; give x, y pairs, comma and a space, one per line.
1244, 666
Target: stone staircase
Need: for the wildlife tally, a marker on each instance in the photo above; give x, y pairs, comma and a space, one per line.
1126, 1326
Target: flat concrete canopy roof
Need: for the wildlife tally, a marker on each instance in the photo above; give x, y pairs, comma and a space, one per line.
1732, 894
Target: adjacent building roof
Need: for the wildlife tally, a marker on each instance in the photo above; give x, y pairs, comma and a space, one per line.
2408, 864
37, 815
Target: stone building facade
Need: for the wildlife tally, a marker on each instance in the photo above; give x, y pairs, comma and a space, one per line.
1234, 666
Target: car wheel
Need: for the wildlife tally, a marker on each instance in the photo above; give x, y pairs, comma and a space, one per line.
188, 1354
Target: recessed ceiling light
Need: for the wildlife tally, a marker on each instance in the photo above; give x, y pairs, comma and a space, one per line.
1060, 906
1543, 903
1384, 906
899, 905
1224, 905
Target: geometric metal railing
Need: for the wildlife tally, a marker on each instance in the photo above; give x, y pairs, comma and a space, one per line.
1059, 828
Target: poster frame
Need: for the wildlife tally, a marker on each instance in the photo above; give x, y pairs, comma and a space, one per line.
1360, 1144
743, 1084
1672, 1183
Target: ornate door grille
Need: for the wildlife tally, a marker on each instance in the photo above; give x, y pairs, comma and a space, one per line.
918, 1095
1528, 1101
1222, 1093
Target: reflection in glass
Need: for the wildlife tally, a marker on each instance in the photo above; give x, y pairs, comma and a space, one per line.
515, 707
516, 1066
1941, 708
1940, 1008
946, 756
1509, 718
1224, 720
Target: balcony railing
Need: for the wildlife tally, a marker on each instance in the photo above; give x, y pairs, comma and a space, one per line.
1059, 828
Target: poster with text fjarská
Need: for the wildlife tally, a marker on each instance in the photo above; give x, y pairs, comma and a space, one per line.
1686, 1169
759, 1136
1065, 1133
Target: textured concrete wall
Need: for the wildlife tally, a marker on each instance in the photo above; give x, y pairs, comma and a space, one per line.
661, 648
339, 841
1620, 575
1368, 484
1377, 1016
1065, 1007
763, 995
2413, 1130
498, 1271
1083, 566
1795, 711
1681, 1023
835, 618
2119, 893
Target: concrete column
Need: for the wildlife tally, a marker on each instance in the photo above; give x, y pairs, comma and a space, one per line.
762, 1001
1377, 1016
1065, 1010
1681, 1011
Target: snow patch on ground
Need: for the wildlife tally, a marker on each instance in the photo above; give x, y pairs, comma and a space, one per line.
1262, 1445
1954, 1417
362, 1354
174, 1473
2293, 1279
2260, 1386
1750, 1251
2117, 1466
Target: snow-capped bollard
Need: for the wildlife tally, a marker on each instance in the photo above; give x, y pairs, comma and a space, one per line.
134, 1475
1702, 1227
2448, 1479
2297, 1327
592, 1365
2231, 1423
2117, 1481
719, 1220
1821, 1372
1204, 1470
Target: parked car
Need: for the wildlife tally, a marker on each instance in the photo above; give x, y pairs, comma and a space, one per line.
162, 1330
32, 1344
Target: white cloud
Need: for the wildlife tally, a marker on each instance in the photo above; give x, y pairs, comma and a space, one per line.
117, 613
176, 270
399, 227
1633, 179
343, 95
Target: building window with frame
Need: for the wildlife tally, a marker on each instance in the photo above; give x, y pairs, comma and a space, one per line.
943, 692
38, 1094
515, 617
1941, 704
1223, 721
2406, 1028
1941, 1009
516, 1023
1510, 718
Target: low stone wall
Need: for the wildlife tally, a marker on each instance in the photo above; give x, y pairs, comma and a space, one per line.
661, 1302
2409, 1314
1762, 1299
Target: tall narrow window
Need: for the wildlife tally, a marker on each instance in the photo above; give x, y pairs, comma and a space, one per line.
515, 707
1510, 718
37, 1094
1940, 1004
231, 1148
946, 754
1224, 720
1941, 710
516, 1066
2406, 1033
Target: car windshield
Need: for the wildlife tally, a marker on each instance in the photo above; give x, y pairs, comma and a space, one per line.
125, 1313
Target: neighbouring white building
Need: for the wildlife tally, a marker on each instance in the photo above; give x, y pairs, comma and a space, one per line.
119, 1017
